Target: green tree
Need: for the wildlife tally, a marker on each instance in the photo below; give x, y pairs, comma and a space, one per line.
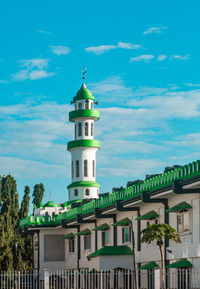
23, 213
157, 233
38, 193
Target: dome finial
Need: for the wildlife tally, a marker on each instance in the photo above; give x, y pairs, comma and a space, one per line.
84, 72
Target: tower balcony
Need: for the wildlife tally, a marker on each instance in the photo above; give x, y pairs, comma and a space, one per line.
83, 143
84, 113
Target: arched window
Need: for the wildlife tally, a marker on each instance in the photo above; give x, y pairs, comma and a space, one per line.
92, 129
87, 104
75, 131
85, 168
77, 169
87, 192
93, 168
86, 128
91, 105
72, 169
75, 192
80, 105
79, 129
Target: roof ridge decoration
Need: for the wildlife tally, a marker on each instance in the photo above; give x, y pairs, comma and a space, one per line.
156, 183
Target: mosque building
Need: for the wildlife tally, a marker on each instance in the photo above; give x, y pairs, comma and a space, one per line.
96, 231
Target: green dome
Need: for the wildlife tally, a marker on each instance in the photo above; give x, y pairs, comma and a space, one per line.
50, 204
83, 93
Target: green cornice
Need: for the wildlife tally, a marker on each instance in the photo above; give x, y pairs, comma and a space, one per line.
90, 113
83, 93
50, 204
83, 143
83, 184
154, 184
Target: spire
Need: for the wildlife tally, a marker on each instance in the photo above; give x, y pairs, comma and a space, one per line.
84, 72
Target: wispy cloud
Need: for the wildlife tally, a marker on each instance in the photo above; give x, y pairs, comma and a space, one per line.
193, 84
180, 57
34, 69
44, 31
103, 48
3, 81
161, 57
143, 58
60, 50
155, 30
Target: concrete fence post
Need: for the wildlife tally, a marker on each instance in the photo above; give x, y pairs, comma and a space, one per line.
157, 278
46, 279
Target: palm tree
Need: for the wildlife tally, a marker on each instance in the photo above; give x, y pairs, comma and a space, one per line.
157, 233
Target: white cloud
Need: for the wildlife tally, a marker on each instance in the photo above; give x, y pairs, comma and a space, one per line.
193, 84
144, 58
40, 63
180, 57
34, 69
103, 48
156, 30
3, 81
44, 31
161, 57
60, 50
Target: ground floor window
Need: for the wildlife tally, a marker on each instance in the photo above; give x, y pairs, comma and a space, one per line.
184, 278
126, 235
87, 242
105, 238
71, 246
183, 222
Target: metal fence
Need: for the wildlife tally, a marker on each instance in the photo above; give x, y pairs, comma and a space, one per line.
113, 279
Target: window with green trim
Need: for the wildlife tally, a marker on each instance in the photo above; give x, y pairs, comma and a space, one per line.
87, 192
87, 104
183, 222
80, 105
126, 235
87, 242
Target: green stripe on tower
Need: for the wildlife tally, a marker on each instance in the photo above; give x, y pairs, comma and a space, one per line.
84, 184
90, 113
83, 143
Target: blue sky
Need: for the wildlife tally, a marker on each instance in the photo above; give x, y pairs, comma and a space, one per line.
143, 65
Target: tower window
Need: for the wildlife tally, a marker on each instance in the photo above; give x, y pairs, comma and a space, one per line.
75, 192
92, 129
91, 105
86, 129
72, 169
87, 104
93, 168
87, 192
85, 168
80, 105
77, 169
79, 129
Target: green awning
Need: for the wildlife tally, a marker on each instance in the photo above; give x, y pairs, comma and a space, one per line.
123, 222
148, 266
84, 232
69, 236
102, 227
148, 216
111, 250
182, 263
179, 207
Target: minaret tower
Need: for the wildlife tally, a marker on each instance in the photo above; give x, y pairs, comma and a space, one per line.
83, 149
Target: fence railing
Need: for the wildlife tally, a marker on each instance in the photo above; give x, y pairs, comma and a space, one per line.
110, 279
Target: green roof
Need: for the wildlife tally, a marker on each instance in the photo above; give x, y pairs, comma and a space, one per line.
89, 113
148, 216
123, 222
179, 207
50, 204
154, 184
69, 236
94, 143
83, 93
84, 184
148, 266
111, 250
84, 232
182, 263
102, 227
